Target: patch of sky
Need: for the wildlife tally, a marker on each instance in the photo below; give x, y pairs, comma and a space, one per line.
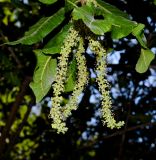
88, 51
112, 78
150, 82
115, 91
95, 96
133, 113
153, 118
84, 135
25, 1
152, 114
98, 113
147, 127
136, 100
80, 97
152, 145
94, 99
146, 31
18, 24
92, 122
149, 20
153, 49
114, 57
141, 83
131, 89
142, 91
36, 109
140, 140
92, 73
132, 42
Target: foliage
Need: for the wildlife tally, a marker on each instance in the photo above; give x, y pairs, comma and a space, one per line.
111, 20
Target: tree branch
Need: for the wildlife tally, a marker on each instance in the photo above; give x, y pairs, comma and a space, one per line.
12, 116
15, 136
129, 129
13, 55
118, 133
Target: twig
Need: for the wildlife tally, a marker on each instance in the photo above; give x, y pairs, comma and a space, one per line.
15, 136
129, 129
118, 133
13, 55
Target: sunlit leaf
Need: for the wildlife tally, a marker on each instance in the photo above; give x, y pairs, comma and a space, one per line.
5, 0
44, 75
109, 9
41, 29
121, 27
113, 20
139, 34
86, 13
55, 44
144, 60
48, 1
70, 4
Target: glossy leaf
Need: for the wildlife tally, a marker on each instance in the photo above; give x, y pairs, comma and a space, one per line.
144, 60
51, 50
48, 1
86, 13
44, 75
41, 29
113, 20
139, 34
71, 77
70, 4
109, 9
55, 44
121, 27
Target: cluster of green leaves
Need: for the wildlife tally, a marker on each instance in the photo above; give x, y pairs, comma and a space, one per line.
99, 17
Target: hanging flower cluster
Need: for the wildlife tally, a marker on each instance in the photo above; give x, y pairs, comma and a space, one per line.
103, 84
90, 19
60, 113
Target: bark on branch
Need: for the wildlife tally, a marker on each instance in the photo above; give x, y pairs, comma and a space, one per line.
12, 116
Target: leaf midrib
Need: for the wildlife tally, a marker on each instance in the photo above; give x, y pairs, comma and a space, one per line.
42, 74
39, 28
144, 59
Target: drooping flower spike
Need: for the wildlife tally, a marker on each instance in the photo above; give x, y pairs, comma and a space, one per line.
60, 113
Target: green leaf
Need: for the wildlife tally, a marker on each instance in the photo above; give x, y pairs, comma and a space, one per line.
70, 4
55, 44
71, 76
121, 27
48, 1
44, 75
144, 60
86, 13
113, 20
59, 37
109, 9
139, 34
41, 29
51, 50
